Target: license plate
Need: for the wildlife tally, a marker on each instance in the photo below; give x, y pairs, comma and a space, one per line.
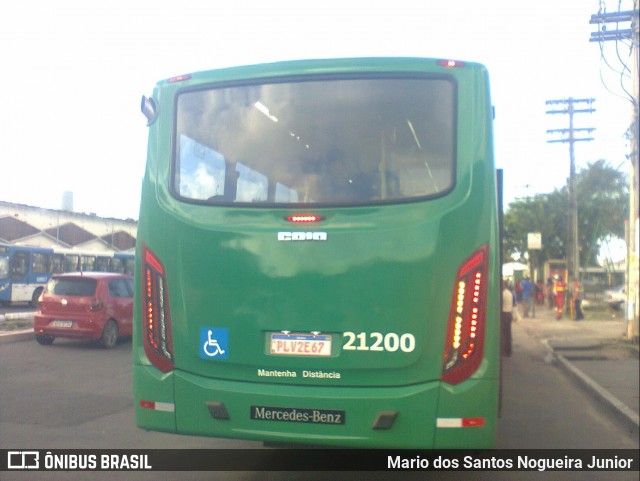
62, 323
300, 345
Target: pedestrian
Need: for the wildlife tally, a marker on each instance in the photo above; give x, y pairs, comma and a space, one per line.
576, 297
518, 290
540, 293
551, 298
506, 318
527, 293
559, 290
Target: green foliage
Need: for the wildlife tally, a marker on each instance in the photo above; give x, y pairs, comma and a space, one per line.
603, 204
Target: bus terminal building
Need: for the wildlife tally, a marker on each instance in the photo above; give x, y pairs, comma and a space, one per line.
24, 225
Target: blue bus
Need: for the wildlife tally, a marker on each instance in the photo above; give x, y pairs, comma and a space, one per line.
25, 270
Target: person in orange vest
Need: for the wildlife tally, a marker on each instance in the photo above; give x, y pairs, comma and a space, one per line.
559, 289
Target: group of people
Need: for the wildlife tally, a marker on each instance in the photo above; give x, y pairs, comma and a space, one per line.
555, 292
524, 293
557, 297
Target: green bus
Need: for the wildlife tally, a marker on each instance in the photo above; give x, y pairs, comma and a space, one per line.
318, 256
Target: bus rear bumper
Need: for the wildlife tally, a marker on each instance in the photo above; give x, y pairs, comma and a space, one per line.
390, 417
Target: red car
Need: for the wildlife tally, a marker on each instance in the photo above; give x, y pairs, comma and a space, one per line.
92, 305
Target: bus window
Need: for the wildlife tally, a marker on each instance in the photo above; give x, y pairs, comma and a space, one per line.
129, 266
19, 265
57, 263
4, 266
368, 141
102, 263
71, 263
117, 265
88, 263
41, 263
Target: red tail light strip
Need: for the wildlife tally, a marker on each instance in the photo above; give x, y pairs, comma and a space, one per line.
156, 320
304, 218
465, 332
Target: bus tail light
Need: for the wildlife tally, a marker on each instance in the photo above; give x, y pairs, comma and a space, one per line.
156, 318
304, 218
450, 63
466, 328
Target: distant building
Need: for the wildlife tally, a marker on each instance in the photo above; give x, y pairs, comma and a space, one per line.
35, 226
67, 201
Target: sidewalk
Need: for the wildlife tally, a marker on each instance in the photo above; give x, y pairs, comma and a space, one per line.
596, 354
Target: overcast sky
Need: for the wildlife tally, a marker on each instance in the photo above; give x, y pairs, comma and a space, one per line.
73, 72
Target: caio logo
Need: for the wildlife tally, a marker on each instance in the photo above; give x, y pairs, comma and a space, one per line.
302, 236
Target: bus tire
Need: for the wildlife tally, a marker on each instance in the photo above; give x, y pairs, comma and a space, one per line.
44, 339
109, 336
36, 296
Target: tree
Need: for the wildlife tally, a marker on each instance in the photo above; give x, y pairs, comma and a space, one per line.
603, 202
603, 206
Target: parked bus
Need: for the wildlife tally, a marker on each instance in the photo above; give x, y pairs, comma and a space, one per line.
25, 270
317, 257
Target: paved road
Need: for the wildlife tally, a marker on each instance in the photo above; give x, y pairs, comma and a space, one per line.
76, 395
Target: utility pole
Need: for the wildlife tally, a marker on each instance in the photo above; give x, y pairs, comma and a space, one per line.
622, 28
568, 107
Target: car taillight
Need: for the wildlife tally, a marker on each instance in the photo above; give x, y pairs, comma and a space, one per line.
466, 328
156, 319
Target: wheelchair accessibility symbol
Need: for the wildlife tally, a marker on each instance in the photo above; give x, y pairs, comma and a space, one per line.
214, 343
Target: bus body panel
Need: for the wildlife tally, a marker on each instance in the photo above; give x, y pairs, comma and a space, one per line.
148, 379
383, 285
378, 279
416, 409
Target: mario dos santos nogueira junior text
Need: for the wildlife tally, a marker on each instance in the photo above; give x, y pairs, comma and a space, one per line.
525, 463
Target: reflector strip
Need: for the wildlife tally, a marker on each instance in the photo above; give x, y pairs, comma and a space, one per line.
158, 406
459, 422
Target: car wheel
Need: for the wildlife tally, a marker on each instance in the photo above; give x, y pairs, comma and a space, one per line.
44, 339
109, 335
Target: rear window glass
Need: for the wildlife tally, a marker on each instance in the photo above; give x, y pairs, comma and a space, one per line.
72, 287
333, 141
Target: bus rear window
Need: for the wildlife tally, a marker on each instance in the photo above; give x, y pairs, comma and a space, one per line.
320, 142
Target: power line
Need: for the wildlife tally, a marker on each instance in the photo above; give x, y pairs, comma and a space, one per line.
621, 27
568, 107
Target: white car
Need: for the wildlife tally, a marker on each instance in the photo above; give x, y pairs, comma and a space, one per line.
615, 298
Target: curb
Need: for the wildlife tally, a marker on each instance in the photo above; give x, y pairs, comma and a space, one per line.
619, 409
17, 316
7, 337
17, 336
